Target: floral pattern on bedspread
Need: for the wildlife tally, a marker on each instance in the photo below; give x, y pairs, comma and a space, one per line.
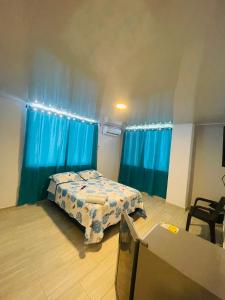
72, 197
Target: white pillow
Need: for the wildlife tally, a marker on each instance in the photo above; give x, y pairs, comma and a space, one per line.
65, 177
89, 174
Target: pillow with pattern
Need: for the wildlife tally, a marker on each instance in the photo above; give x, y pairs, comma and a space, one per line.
65, 177
89, 174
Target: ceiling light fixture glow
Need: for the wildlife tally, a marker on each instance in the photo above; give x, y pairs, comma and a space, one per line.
121, 106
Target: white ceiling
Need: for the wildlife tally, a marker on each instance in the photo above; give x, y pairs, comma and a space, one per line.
88, 54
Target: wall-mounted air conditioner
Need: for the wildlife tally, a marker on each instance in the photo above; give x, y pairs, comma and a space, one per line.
111, 129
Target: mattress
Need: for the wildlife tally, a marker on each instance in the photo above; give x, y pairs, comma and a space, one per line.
95, 217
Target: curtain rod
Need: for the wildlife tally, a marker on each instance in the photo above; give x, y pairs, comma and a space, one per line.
52, 110
167, 125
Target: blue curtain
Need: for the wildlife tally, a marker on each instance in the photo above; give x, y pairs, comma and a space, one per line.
145, 160
54, 144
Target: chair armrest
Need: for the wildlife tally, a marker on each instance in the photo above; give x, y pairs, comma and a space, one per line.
203, 200
208, 209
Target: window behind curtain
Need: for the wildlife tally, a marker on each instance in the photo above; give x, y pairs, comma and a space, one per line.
54, 144
145, 160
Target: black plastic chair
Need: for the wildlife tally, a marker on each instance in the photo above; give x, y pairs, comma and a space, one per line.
207, 214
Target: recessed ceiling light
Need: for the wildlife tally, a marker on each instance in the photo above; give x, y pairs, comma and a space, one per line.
121, 106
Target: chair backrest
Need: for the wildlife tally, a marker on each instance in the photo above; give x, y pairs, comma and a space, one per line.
219, 208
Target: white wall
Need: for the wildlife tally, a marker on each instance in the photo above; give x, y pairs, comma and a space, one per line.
180, 165
109, 152
208, 168
11, 124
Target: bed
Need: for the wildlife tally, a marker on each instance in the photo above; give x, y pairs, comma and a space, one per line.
94, 201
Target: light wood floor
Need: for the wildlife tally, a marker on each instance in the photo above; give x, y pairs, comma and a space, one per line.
42, 255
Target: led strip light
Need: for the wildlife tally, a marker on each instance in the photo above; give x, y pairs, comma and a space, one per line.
151, 126
52, 110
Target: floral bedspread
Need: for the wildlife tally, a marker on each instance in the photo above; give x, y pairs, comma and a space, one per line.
72, 197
